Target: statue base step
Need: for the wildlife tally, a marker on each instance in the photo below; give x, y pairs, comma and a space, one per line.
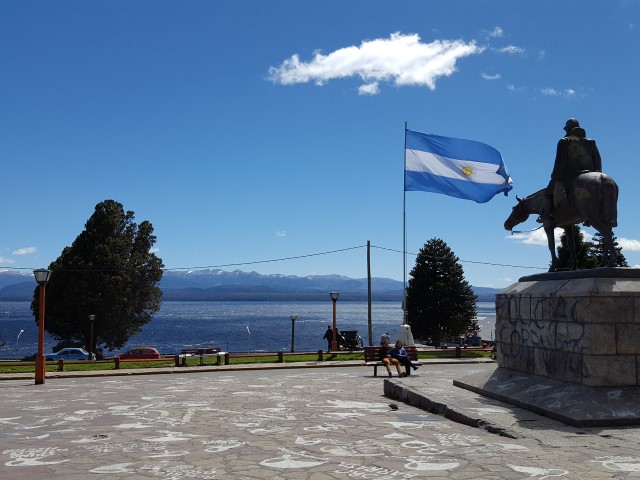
573, 404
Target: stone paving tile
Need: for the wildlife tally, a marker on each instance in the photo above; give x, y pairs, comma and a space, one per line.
314, 424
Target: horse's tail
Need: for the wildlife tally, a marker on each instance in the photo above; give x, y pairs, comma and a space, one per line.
609, 201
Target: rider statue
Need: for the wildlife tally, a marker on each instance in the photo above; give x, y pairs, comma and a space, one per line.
575, 154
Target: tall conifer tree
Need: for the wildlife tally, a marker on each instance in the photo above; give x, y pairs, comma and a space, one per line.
440, 302
588, 254
109, 271
598, 249
583, 249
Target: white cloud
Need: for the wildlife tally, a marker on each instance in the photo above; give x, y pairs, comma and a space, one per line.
536, 237
542, 54
496, 33
24, 251
495, 76
628, 244
370, 89
402, 60
514, 89
7, 261
281, 233
511, 50
552, 92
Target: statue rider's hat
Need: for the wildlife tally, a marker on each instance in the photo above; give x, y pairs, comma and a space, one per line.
571, 123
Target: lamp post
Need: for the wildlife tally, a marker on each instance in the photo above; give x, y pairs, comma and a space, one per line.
334, 342
17, 340
42, 277
91, 319
293, 322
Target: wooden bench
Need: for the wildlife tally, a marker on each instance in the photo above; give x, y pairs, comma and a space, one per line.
117, 360
371, 358
200, 352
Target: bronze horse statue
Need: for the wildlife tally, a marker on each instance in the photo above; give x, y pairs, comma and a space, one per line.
592, 200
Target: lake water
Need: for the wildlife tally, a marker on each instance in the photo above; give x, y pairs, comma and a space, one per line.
234, 326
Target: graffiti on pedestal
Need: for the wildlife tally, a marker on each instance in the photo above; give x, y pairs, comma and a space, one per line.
541, 335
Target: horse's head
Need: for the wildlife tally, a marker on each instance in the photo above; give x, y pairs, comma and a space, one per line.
519, 214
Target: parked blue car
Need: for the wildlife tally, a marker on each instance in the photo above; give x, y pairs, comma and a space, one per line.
69, 354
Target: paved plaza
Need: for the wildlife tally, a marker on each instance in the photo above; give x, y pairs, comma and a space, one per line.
315, 423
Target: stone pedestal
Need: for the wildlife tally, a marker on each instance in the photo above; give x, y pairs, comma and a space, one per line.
581, 327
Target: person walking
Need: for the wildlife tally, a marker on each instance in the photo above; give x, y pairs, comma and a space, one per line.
384, 354
328, 336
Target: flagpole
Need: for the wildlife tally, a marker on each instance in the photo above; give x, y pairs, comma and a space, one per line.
404, 231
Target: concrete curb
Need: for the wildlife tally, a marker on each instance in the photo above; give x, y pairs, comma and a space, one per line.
412, 396
223, 368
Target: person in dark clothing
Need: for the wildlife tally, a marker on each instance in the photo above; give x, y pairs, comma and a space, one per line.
575, 154
400, 354
328, 336
384, 354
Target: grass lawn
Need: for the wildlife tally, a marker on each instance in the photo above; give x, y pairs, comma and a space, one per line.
238, 359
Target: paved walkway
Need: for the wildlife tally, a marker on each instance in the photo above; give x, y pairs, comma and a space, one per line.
283, 423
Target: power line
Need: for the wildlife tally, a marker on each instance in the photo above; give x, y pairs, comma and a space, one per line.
266, 261
466, 261
297, 257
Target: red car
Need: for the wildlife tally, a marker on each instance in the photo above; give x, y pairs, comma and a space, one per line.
139, 353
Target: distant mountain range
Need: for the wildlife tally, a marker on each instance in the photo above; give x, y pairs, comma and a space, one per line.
214, 284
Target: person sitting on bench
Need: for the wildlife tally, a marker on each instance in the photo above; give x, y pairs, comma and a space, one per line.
384, 354
400, 354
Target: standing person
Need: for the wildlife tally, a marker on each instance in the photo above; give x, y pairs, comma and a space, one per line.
400, 354
574, 154
384, 354
385, 338
328, 336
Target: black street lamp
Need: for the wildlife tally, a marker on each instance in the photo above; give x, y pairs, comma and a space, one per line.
293, 321
334, 342
91, 319
42, 277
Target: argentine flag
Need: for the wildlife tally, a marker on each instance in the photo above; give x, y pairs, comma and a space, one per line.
453, 166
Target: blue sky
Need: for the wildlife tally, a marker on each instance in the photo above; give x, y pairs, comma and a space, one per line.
248, 131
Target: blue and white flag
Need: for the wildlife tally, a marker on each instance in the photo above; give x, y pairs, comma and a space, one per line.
455, 167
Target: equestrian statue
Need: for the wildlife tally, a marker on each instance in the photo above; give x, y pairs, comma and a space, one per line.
578, 193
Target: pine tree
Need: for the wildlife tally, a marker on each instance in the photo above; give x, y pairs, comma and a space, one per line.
584, 257
597, 251
109, 271
440, 302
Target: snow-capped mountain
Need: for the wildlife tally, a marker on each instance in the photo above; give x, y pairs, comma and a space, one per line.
215, 284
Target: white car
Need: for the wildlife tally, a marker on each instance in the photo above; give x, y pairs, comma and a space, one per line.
70, 354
